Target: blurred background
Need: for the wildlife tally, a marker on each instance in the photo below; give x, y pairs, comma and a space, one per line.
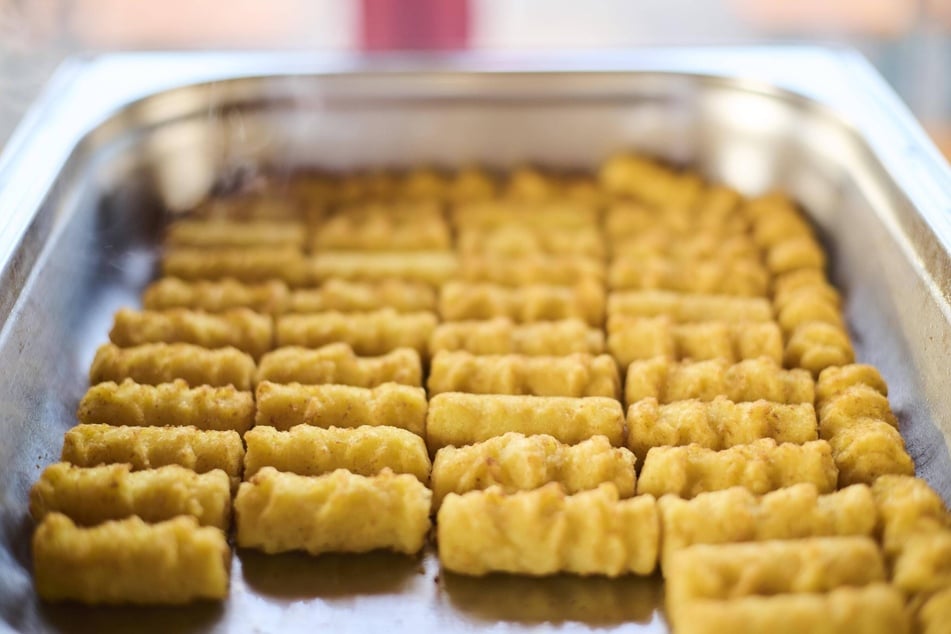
908, 40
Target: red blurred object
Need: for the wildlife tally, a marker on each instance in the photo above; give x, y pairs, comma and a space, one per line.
389, 25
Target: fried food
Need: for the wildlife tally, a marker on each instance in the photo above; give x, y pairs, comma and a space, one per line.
516, 462
279, 512
631, 339
536, 302
515, 240
495, 214
761, 466
726, 277
347, 297
816, 345
231, 233
337, 363
457, 419
371, 333
717, 424
389, 404
543, 532
732, 571
152, 447
563, 270
906, 505
239, 328
245, 264
832, 381
502, 336
93, 495
736, 515
155, 363
384, 228
105, 564
877, 608
470, 184
574, 375
640, 178
313, 451
662, 242
270, 297
688, 308
935, 613
427, 267
749, 380
861, 428
793, 253
167, 404
924, 562
626, 220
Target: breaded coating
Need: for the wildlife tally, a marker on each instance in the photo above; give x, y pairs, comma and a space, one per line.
239, 328
167, 404
129, 561
572, 375
536, 302
428, 267
493, 214
749, 380
347, 297
632, 219
868, 450
805, 307
761, 466
516, 240
736, 515
832, 381
924, 562
544, 532
631, 339
155, 363
503, 336
664, 242
457, 419
916, 533
935, 613
731, 571
563, 270
905, 505
816, 345
470, 184
269, 297
795, 252
423, 183
93, 495
390, 404
873, 609
245, 264
863, 432
640, 178
231, 233
726, 277
337, 363
717, 424
338, 512
809, 281
380, 229
312, 451
152, 447
371, 333
687, 308
517, 462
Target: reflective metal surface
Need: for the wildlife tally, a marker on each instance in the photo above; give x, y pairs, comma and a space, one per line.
117, 140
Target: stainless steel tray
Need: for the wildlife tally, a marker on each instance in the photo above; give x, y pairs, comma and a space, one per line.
118, 139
